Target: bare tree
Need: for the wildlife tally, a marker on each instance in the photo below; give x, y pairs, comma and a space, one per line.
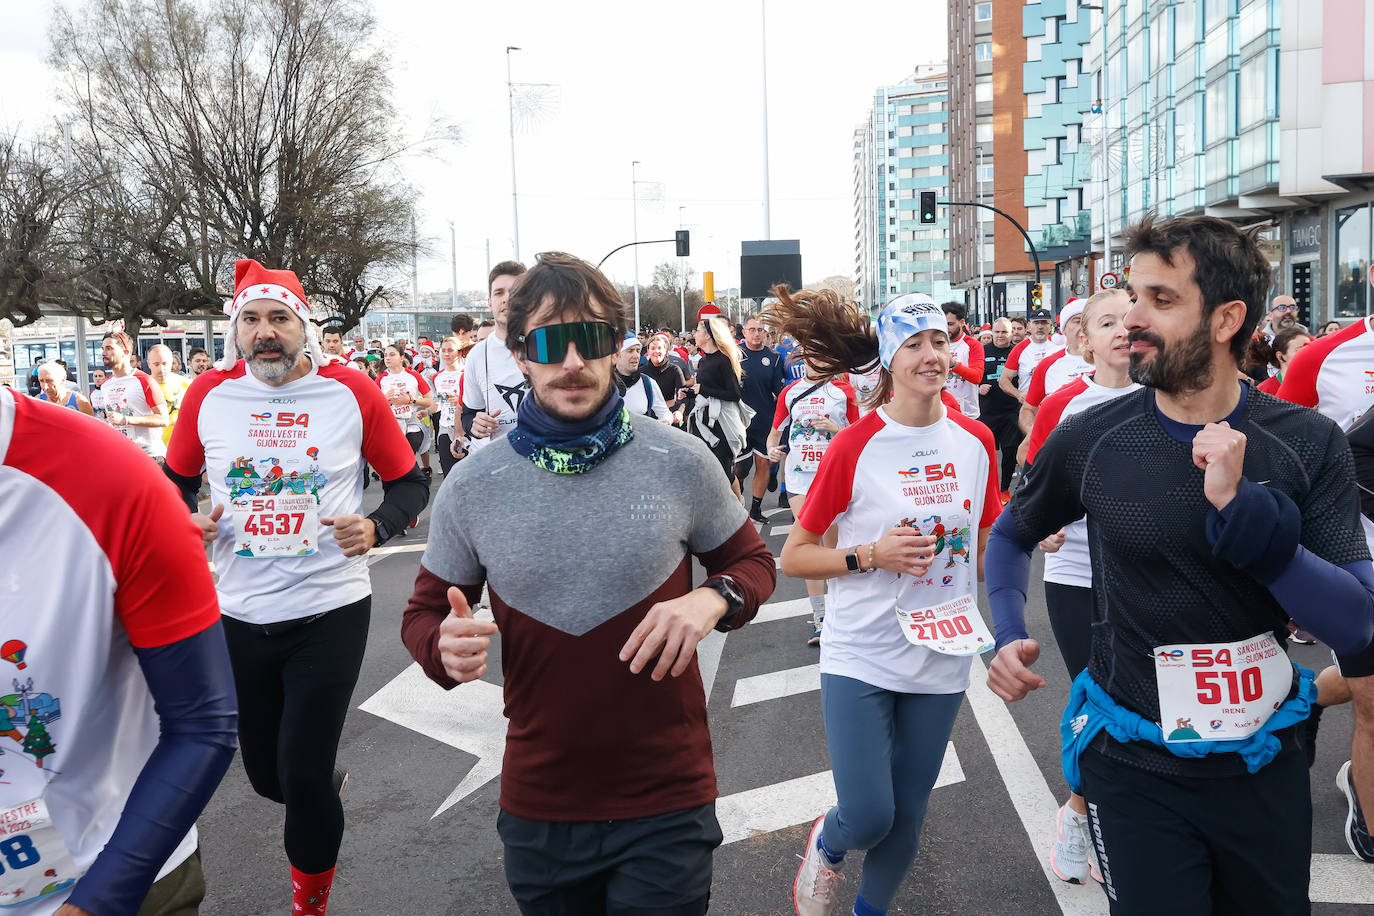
35, 193
247, 128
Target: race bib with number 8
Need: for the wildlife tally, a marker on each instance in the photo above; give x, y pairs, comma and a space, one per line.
1220, 691
276, 526
952, 628
34, 862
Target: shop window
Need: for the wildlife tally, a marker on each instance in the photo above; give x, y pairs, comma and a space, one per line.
1352, 262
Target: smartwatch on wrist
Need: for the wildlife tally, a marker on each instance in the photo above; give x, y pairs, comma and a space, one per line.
384, 533
851, 560
734, 599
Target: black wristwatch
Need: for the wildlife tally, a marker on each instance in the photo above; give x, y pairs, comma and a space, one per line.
851, 560
384, 533
734, 600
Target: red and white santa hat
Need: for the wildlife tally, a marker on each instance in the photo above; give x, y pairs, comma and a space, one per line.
252, 282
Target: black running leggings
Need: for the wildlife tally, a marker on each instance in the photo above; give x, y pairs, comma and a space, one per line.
446, 459
1071, 617
416, 439
294, 690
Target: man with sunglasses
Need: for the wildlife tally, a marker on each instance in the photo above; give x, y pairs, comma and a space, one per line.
493, 385
599, 813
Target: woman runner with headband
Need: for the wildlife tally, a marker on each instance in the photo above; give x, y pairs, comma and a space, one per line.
912, 491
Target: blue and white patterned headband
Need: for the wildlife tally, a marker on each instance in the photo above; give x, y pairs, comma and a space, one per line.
904, 317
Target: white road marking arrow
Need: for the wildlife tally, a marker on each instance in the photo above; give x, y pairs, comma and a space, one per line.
797, 801
470, 718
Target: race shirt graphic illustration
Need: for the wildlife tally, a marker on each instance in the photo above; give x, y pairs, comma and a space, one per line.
276, 511
34, 860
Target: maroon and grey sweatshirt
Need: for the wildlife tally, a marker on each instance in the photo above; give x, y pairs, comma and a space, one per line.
572, 564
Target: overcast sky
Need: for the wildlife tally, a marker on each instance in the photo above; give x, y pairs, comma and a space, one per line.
676, 86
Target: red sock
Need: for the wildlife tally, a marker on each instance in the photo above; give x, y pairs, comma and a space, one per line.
310, 893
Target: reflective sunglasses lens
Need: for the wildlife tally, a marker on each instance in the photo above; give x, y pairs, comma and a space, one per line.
549, 344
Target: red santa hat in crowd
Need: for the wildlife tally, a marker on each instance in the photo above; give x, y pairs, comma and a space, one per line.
708, 310
252, 282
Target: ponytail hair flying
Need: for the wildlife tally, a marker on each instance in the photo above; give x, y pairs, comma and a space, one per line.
835, 336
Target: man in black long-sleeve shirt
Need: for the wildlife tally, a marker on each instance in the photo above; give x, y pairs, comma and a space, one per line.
763, 380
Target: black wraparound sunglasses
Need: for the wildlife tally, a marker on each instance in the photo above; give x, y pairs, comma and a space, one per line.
549, 344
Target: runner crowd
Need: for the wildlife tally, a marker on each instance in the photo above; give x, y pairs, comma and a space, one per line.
1196, 467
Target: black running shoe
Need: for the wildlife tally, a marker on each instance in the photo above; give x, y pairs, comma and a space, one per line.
782, 500
757, 515
1356, 830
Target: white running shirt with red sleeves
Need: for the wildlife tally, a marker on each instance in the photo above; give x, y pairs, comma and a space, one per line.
410, 382
1334, 374
797, 410
877, 475
309, 437
1024, 357
135, 395
105, 574
448, 383
1054, 372
1071, 563
968, 357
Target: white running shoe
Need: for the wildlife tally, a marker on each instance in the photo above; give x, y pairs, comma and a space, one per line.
813, 891
1069, 858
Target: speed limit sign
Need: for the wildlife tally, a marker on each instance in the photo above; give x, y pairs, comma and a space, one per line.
1108, 280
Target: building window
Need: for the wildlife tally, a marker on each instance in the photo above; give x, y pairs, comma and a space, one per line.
892, 220
982, 51
892, 236
1353, 256
982, 91
982, 12
983, 133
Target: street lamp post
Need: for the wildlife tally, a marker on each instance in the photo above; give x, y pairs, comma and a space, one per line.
682, 279
514, 197
978, 221
763, 21
1106, 166
634, 206
453, 260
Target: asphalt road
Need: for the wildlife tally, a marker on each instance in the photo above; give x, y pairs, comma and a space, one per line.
976, 857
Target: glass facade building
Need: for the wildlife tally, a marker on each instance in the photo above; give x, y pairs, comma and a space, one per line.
1058, 155
901, 150
1190, 116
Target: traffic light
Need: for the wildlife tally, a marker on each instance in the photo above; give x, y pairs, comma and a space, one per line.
684, 242
927, 206
1037, 297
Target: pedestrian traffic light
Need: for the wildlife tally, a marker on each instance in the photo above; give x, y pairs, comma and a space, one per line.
1037, 299
684, 242
927, 206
